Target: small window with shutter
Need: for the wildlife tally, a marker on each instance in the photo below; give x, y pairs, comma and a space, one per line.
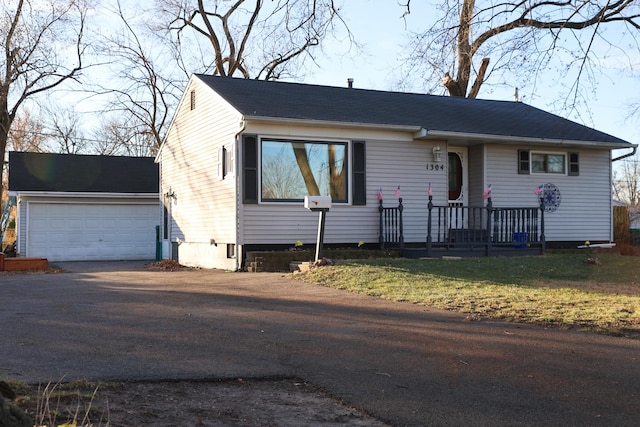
523, 162
574, 164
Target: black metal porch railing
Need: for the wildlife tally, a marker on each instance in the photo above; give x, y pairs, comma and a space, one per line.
391, 233
484, 227
469, 227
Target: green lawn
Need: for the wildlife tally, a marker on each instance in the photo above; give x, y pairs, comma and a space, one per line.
560, 289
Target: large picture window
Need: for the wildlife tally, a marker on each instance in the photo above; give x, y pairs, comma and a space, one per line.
291, 170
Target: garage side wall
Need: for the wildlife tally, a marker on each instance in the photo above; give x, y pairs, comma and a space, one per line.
21, 224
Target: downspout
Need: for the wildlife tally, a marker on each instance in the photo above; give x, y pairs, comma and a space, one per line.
239, 254
624, 156
634, 148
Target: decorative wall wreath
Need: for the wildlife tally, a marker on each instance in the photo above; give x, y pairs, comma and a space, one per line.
551, 197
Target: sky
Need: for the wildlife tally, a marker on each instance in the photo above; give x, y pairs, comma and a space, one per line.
379, 27
379, 24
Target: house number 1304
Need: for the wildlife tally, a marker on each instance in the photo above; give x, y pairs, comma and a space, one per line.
435, 167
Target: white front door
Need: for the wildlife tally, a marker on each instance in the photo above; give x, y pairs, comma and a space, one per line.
457, 176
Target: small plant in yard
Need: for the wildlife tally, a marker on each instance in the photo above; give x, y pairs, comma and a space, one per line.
60, 405
297, 246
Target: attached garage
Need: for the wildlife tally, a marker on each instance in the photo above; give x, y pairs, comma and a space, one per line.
85, 208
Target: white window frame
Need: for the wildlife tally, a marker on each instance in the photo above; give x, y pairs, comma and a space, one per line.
348, 160
532, 154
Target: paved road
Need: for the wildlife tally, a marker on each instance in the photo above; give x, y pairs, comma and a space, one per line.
405, 364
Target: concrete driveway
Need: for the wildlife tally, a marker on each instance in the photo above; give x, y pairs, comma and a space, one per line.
405, 364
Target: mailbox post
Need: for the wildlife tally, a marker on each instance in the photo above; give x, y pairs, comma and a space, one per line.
320, 204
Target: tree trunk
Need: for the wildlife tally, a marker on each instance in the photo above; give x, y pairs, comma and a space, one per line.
458, 87
336, 176
479, 78
307, 174
5, 125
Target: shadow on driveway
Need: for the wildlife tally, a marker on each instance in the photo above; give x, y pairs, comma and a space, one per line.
403, 363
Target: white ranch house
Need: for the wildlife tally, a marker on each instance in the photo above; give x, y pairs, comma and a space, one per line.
240, 156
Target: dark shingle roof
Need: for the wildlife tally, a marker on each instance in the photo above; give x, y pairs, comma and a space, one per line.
82, 173
434, 113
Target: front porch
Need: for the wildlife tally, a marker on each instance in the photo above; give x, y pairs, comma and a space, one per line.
463, 231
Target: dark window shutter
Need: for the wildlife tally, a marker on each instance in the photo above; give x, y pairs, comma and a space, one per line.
574, 164
250, 169
523, 162
359, 191
221, 163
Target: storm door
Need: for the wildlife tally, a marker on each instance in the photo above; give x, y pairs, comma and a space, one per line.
457, 175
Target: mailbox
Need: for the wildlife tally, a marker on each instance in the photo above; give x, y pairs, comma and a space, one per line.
317, 203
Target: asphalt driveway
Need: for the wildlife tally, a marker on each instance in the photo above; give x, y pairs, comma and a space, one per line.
405, 364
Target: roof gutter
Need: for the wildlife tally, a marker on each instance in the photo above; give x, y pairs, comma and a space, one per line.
508, 139
624, 156
85, 195
391, 127
422, 133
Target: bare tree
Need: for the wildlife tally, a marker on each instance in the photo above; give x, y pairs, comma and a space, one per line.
476, 39
253, 38
121, 136
42, 48
280, 178
148, 89
337, 171
626, 181
66, 134
26, 133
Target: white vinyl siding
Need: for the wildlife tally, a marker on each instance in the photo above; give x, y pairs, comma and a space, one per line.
21, 246
585, 208
476, 175
203, 211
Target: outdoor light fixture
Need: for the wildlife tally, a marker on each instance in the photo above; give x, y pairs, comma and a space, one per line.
437, 154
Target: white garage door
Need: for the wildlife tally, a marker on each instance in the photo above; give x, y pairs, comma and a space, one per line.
91, 232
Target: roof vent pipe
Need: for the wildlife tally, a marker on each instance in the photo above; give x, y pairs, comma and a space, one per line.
350, 83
